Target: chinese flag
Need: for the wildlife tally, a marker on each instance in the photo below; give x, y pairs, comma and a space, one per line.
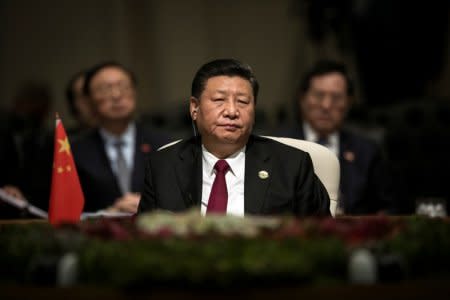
66, 197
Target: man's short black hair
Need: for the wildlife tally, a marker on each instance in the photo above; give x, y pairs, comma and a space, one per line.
324, 67
223, 67
97, 68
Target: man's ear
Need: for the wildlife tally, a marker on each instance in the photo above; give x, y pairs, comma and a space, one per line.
193, 107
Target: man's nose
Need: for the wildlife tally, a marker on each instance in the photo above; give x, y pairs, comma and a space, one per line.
326, 102
116, 92
231, 109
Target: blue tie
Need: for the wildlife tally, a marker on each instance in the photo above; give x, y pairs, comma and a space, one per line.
322, 140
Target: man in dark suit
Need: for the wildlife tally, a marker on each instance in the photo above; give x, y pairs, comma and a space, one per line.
325, 96
111, 159
226, 169
9, 174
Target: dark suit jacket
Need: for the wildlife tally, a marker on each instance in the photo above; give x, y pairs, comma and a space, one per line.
173, 180
365, 185
9, 159
9, 175
99, 184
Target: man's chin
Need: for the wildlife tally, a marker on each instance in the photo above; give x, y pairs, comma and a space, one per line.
233, 139
325, 131
324, 127
121, 117
229, 137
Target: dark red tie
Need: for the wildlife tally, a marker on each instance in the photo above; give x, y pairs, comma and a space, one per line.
218, 198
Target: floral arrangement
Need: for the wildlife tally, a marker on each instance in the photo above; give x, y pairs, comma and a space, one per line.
187, 250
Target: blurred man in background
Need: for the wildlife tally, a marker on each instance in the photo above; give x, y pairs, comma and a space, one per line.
9, 175
111, 159
325, 96
33, 140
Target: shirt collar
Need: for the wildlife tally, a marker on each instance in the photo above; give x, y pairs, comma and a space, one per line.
234, 161
127, 137
312, 136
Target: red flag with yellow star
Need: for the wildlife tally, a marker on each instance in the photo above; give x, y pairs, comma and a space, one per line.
66, 197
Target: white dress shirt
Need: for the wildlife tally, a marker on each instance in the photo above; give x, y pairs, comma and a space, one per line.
234, 179
128, 138
312, 136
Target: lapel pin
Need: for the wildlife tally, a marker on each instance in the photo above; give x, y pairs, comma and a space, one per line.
263, 174
349, 156
145, 148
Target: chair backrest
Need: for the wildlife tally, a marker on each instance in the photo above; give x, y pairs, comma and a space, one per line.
169, 144
326, 165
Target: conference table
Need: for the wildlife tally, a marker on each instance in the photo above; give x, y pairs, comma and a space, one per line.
172, 257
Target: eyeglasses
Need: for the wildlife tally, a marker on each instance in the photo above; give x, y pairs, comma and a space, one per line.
107, 90
320, 96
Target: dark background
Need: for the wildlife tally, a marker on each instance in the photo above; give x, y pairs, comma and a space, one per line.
397, 52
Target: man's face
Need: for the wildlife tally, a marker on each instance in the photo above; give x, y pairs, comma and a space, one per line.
113, 94
225, 111
325, 104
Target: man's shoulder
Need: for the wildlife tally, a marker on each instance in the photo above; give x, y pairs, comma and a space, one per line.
176, 147
86, 140
277, 147
358, 138
290, 130
156, 138
359, 143
87, 147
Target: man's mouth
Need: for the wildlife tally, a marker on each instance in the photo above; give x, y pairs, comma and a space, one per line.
323, 118
231, 127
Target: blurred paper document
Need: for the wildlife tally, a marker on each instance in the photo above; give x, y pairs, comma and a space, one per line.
22, 204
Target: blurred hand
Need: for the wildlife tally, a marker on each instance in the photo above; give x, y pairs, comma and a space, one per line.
127, 203
13, 191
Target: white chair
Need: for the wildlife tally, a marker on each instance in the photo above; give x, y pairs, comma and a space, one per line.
168, 144
325, 163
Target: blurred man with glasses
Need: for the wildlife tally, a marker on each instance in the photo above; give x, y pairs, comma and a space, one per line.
111, 159
325, 95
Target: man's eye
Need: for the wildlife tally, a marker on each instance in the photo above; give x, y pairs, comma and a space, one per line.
243, 101
337, 98
318, 95
218, 99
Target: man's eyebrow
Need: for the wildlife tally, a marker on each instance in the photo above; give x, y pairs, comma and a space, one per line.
225, 92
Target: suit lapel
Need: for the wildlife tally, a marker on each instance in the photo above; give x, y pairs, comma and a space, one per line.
188, 171
348, 172
257, 160
139, 164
